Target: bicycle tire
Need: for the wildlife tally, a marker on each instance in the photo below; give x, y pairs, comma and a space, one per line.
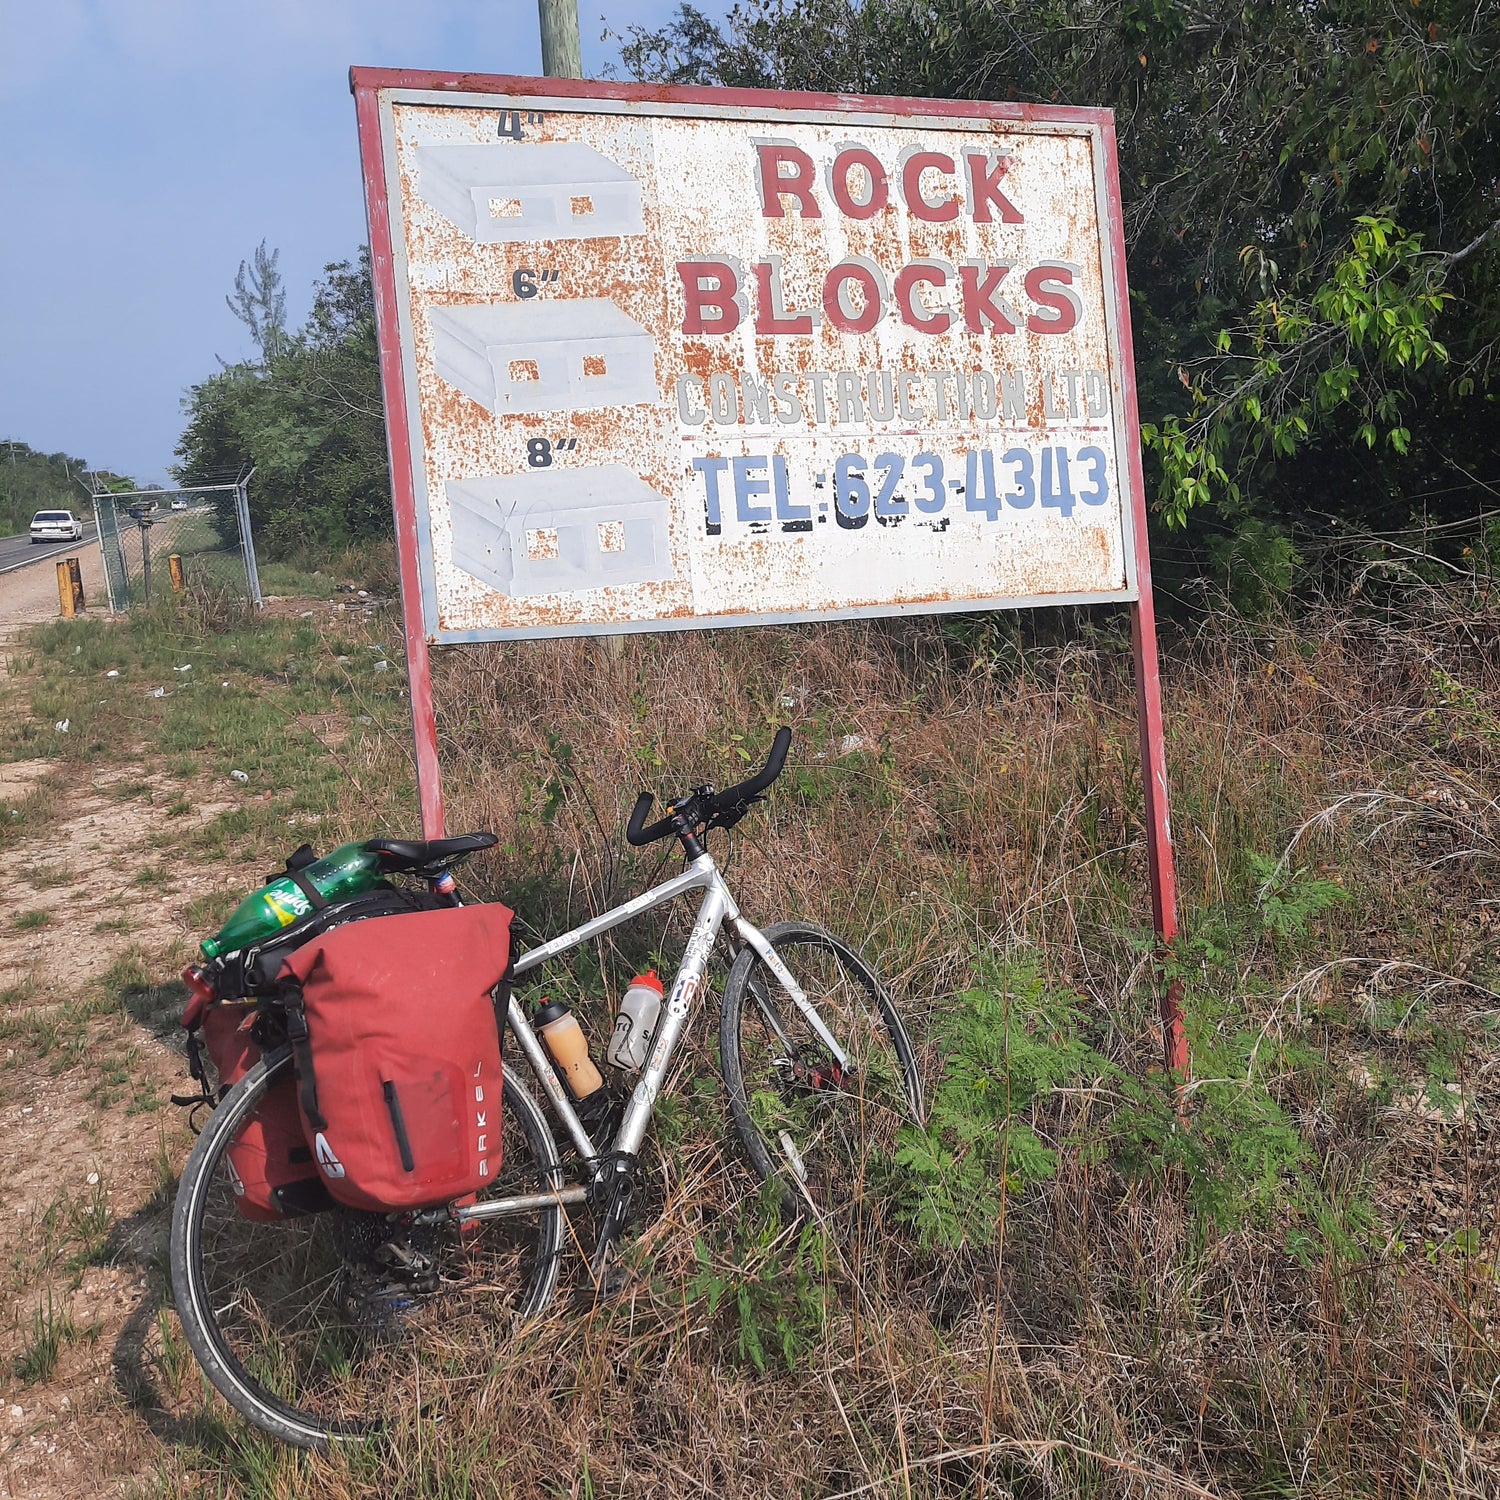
236, 1282
838, 1131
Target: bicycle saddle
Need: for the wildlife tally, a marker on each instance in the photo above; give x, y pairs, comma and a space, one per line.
415, 854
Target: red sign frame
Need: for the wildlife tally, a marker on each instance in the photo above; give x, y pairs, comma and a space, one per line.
368, 84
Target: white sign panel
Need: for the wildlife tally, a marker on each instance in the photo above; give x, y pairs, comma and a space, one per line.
676, 363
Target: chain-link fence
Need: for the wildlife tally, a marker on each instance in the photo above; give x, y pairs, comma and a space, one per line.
155, 541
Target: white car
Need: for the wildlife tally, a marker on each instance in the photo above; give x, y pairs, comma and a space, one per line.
56, 526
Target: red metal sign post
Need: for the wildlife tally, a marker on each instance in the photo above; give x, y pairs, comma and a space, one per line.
398, 439
652, 357
1161, 866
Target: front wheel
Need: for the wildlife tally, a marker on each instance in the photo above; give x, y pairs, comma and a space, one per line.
287, 1319
822, 1132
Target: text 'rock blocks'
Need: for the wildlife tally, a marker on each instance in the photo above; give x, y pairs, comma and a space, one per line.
560, 530
561, 355
500, 194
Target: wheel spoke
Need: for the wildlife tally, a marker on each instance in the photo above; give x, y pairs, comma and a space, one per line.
819, 1128
295, 1321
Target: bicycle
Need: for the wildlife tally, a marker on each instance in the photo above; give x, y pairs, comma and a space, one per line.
817, 1066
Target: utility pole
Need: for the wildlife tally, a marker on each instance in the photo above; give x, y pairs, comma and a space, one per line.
561, 54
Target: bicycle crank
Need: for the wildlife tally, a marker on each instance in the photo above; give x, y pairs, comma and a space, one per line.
612, 1197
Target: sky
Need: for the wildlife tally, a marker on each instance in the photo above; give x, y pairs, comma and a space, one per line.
150, 145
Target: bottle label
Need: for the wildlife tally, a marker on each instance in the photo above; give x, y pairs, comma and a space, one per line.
288, 905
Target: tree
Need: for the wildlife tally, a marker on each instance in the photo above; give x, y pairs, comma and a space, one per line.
1312, 201
310, 421
31, 481
259, 301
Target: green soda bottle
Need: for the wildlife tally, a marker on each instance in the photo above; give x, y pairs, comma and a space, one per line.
350, 869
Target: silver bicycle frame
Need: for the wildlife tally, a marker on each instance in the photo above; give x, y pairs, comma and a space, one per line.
717, 906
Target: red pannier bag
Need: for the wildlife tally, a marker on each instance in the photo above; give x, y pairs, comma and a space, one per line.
395, 1028
270, 1163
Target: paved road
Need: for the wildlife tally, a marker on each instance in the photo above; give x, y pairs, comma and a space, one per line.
17, 551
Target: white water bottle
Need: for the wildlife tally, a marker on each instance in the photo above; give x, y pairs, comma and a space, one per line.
639, 1008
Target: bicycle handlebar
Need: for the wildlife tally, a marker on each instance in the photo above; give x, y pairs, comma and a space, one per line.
732, 798
762, 778
635, 833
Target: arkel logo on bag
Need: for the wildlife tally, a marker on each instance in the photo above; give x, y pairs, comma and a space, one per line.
326, 1159
481, 1122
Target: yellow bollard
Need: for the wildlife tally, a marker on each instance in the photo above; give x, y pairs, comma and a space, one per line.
75, 577
65, 591
174, 567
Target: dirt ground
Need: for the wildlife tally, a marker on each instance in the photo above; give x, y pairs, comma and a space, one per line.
88, 1138
29, 595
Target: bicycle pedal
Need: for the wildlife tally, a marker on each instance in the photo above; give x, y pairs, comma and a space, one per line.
613, 1284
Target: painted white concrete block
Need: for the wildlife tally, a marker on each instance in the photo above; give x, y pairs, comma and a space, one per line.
550, 190
544, 355
554, 531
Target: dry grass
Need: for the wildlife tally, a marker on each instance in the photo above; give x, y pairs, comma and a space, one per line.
1324, 1326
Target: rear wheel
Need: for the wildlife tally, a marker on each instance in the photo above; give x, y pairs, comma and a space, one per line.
283, 1318
822, 1133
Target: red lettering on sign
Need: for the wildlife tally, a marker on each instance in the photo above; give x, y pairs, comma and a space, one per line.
978, 286
771, 315
838, 180
776, 185
909, 309
708, 288
848, 319
929, 211
1050, 285
984, 190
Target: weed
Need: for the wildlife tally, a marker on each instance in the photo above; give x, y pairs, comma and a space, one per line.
89, 1225
1289, 901
175, 1359
774, 1283
42, 1341
29, 921
39, 1030
1005, 1044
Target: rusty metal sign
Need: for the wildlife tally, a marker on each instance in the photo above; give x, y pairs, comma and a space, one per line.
691, 358
661, 358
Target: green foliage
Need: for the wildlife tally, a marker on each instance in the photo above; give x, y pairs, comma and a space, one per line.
42, 1341
1229, 1141
1014, 1040
1289, 900
1312, 232
775, 1293
1006, 1045
259, 300
1298, 365
1232, 1149
1011, 1043
32, 481
308, 417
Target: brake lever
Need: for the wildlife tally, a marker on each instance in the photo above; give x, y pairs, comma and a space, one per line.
729, 816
